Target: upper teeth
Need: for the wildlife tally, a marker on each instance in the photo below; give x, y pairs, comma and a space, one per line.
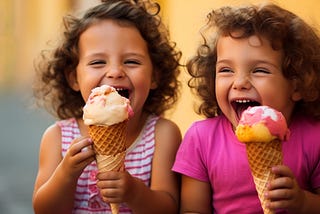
243, 101
120, 89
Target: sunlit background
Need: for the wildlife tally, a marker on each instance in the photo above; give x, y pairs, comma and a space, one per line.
26, 27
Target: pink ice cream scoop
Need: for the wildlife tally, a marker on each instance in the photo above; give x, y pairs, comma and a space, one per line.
262, 124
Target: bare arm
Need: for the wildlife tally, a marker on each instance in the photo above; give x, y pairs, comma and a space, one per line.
163, 194
57, 178
195, 196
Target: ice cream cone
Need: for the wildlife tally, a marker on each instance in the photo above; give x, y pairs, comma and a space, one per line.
262, 156
109, 145
262, 129
107, 113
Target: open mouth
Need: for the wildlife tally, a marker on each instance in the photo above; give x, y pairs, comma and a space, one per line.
123, 92
240, 106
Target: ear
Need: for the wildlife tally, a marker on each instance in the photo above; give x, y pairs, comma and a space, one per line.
296, 94
72, 80
154, 84
154, 80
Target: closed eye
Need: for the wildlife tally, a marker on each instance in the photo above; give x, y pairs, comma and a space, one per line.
224, 70
135, 62
261, 70
97, 62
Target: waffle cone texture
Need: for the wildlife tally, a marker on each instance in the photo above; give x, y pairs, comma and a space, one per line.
109, 140
262, 156
110, 148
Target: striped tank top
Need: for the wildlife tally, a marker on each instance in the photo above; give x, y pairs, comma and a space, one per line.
137, 162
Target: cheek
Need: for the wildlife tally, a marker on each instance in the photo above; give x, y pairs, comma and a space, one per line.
86, 87
85, 96
220, 96
274, 96
141, 81
221, 89
221, 93
141, 90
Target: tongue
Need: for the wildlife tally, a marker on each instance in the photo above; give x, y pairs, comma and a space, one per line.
241, 108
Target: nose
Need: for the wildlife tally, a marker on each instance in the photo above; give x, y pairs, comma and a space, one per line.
242, 81
115, 72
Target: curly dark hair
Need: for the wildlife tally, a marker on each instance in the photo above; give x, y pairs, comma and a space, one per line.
286, 31
52, 89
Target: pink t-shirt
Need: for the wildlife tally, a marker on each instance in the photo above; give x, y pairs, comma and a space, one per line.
210, 152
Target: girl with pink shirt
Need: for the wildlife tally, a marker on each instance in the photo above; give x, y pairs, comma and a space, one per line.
253, 55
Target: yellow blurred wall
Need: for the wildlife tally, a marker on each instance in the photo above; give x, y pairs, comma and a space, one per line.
26, 27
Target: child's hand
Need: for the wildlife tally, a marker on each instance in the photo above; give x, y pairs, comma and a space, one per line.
78, 156
284, 191
116, 187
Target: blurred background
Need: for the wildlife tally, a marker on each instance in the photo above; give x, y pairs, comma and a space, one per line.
27, 27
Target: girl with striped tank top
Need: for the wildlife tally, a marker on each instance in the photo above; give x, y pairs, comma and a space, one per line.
123, 44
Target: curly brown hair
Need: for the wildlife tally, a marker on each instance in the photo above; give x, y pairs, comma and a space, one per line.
286, 31
52, 89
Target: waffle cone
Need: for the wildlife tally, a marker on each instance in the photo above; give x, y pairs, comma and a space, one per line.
262, 156
109, 144
109, 140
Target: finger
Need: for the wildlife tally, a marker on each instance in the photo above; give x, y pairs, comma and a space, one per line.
107, 184
109, 175
278, 204
282, 171
76, 140
281, 183
79, 145
110, 195
279, 194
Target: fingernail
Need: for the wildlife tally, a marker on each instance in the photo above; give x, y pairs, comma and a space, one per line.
84, 149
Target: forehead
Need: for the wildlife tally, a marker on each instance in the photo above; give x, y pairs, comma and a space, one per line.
103, 25
254, 47
111, 33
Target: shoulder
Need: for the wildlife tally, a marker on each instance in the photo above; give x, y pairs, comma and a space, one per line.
304, 138
50, 147
167, 132
211, 122
306, 127
51, 136
165, 126
209, 126
52, 130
